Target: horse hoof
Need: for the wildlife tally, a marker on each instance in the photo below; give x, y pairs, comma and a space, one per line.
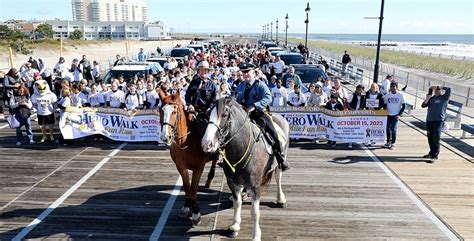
233, 234
208, 183
185, 213
280, 205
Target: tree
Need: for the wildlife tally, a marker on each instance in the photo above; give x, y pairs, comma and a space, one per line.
45, 31
8, 34
76, 34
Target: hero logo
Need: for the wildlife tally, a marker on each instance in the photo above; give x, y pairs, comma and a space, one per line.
373, 133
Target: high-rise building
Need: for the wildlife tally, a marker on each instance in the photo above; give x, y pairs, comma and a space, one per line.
110, 10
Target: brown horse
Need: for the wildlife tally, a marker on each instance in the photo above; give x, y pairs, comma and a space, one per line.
186, 152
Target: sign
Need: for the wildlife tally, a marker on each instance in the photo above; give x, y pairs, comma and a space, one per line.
116, 124
372, 103
342, 126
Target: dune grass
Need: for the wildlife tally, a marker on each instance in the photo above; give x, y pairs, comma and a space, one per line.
458, 68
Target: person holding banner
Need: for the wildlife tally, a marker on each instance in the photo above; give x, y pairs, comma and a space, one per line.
373, 98
357, 102
115, 97
317, 97
297, 98
279, 94
395, 102
334, 104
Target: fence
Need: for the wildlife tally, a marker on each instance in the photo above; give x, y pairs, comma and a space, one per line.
417, 83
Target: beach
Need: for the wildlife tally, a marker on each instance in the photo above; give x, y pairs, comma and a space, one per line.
101, 52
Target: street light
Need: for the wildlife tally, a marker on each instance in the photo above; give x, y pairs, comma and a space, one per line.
377, 57
286, 30
277, 31
271, 30
307, 9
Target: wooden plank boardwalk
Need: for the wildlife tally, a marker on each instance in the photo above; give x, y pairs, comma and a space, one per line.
332, 194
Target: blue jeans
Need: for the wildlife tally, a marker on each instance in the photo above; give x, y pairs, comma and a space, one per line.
433, 129
391, 129
29, 132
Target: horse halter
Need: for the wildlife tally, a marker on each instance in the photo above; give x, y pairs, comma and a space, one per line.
224, 131
175, 130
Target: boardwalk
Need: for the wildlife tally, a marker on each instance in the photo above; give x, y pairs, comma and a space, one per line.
332, 194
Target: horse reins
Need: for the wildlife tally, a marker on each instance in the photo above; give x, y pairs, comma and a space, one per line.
175, 130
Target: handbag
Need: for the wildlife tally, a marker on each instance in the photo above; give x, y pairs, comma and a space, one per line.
13, 122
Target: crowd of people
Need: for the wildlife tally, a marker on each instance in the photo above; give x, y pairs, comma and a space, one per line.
200, 78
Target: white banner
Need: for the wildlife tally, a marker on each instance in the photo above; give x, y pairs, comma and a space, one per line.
372, 103
116, 124
342, 126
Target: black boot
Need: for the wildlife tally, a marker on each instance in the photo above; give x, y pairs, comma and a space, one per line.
282, 163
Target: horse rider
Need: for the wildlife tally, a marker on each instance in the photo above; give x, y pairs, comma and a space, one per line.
255, 97
200, 95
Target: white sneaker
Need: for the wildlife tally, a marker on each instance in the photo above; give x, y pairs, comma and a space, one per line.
316, 141
387, 145
32, 142
349, 146
392, 146
18, 143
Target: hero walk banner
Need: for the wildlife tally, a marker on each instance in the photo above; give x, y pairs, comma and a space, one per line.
116, 124
342, 126
305, 123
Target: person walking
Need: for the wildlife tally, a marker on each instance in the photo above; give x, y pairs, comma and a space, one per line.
435, 118
21, 105
395, 102
346, 59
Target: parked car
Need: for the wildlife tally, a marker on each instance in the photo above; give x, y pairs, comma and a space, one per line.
160, 60
269, 44
275, 50
181, 52
291, 58
309, 73
196, 47
129, 70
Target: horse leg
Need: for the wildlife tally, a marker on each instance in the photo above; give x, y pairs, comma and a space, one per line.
281, 200
257, 233
186, 209
196, 216
211, 174
237, 193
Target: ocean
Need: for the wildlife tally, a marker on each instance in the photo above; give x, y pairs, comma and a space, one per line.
418, 38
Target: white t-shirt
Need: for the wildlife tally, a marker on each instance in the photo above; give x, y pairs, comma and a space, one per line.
279, 65
279, 96
116, 98
297, 99
384, 87
132, 101
64, 102
78, 100
394, 102
96, 99
152, 98
44, 103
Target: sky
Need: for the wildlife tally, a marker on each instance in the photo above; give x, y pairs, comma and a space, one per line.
249, 16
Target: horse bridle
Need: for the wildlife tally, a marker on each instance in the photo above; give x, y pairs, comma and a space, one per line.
224, 131
175, 130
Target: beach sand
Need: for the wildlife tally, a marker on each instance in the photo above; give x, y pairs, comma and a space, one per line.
103, 53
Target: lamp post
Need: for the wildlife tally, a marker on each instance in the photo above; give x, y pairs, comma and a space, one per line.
307, 9
286, 30
377, 56
277, 31
268, 31
271, 30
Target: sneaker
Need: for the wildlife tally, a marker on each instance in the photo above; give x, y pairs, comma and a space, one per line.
432, 159
392, 146
32, 142
18, 143
427, 156
387, 145
316, 141
349, 146
2, 117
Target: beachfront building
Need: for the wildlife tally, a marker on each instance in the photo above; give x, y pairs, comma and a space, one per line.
25, 27
110, 10
110, 30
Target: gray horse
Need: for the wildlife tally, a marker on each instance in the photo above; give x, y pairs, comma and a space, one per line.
248, 160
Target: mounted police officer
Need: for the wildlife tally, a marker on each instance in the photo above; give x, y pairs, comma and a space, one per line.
200, 95
255, 97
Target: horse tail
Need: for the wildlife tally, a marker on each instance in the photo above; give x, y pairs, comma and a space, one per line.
267, 178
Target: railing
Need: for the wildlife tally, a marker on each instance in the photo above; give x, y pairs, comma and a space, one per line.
461, 92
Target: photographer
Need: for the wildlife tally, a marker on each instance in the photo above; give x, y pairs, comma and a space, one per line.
437, 105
